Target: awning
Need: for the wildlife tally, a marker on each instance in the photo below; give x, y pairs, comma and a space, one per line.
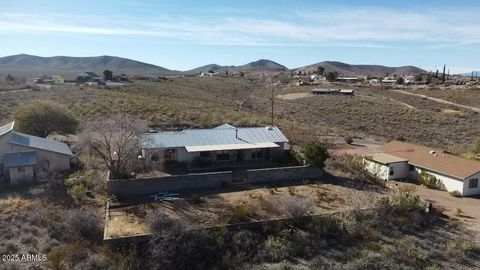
239, 146
20, 159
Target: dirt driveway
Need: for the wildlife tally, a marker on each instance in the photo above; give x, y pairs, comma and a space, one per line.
469, 206
440, 100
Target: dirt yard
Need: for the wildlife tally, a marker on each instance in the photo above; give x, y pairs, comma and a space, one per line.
254, 203
469, 207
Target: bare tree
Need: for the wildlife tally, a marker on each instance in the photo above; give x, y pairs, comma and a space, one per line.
116, 142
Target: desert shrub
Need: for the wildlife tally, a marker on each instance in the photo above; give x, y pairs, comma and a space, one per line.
275, 249
429, 180
402, 209
160, 223
80, 182
295, 206
461, 248
197, 199
354, 167
314, 154
67, 256
292, 191
349, 139
456, 193
77, 224
245, 242
183, 249
241, 213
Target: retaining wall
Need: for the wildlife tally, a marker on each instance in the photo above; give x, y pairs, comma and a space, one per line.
138, 187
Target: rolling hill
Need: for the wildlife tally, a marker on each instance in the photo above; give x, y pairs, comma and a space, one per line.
361, 70
263, 65
30, 65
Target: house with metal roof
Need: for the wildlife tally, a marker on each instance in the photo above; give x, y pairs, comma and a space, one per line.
224, 146
403, 160
26, 158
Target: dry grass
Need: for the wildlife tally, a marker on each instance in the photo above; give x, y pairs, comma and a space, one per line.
125, 225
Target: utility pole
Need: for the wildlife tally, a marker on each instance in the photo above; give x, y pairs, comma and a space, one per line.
273, 86
443, 75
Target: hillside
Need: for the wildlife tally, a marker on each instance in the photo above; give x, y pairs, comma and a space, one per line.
361, 70
260, 65
30, 65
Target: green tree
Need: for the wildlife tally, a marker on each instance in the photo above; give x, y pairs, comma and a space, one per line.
314, 154
108, 75
43, 117
400, 80
331, 76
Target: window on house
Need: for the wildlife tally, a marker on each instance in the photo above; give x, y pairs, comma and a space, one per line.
392, 172
170, 154
21, 169
257, 154
473, 183
412, 167
223, 156
205, 154
155, 158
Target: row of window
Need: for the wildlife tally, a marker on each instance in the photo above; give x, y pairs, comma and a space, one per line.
171, 155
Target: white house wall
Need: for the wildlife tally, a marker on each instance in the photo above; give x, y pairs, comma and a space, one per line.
20, 177
446, 182
56, 161
471, 191
377, 169
382, 171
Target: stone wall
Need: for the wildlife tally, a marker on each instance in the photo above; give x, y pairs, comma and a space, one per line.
189, 182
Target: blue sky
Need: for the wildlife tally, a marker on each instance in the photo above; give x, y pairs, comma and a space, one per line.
186, 34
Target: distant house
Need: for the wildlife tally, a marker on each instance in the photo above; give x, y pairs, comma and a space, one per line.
326, 91
55, 79
88, 77
26, 158
121, 78
402, 160
349, 79
223, 146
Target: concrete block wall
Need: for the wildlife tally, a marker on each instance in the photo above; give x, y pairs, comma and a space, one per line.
175, 183
135, 187
282, 174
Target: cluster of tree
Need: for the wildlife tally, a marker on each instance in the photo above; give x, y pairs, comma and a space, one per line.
331, 76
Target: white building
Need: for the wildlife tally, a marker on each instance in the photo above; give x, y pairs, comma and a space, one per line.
402, 160
26, 158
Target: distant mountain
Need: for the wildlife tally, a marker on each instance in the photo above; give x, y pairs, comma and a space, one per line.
257, 66
475, 74
30, 65
361, 70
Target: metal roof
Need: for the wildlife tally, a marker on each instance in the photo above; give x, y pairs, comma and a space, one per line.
6, 128
224, 126
198, 137
432, 159
40, 143
385, 158
218, 147
20, 159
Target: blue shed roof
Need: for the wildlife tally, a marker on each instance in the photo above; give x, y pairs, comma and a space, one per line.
20, 159
221, 136
40, 143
